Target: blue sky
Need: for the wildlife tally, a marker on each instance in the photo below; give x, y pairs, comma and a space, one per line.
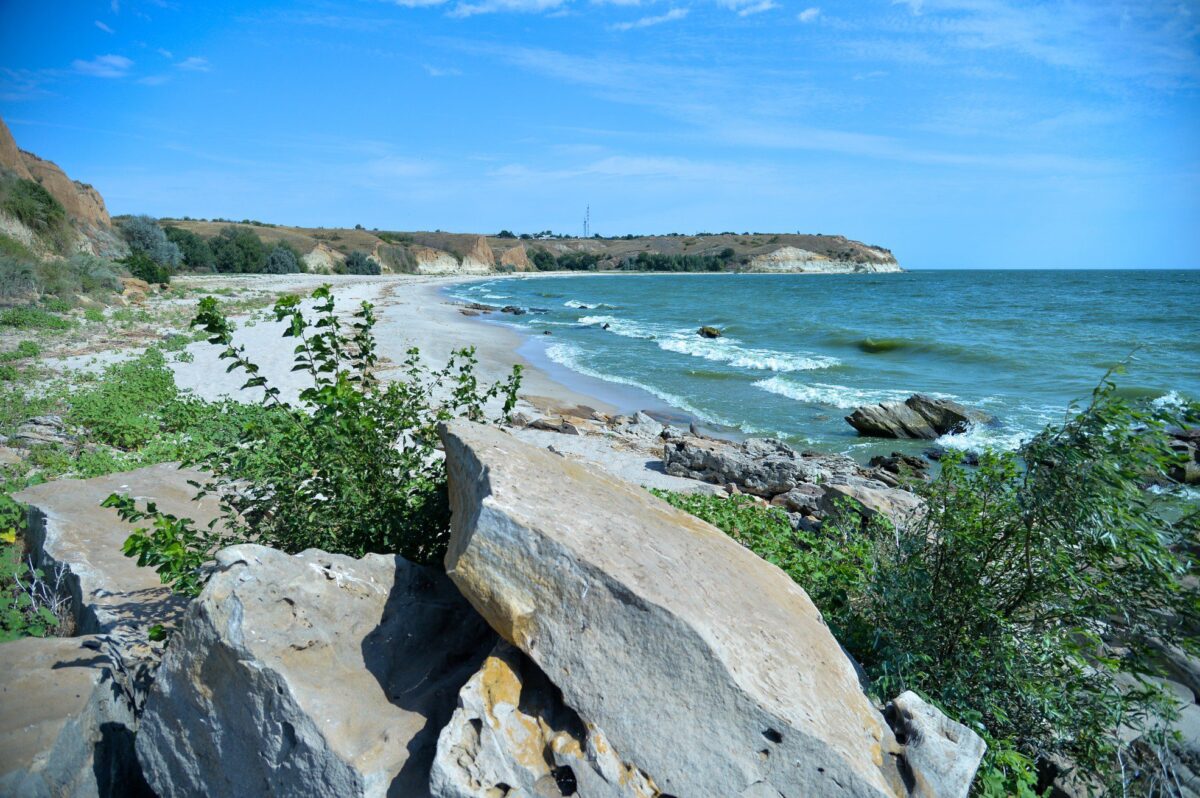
959, 133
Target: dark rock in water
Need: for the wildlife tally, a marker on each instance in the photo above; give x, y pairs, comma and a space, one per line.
709, 332
1186, 444
898, 468
513, 309
480, 307
605, 326
918, 416
938, 452
547, 332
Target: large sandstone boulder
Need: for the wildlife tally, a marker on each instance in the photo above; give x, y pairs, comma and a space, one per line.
66, 726
705, 669
313, 674
918, 416
518, 259
760, 466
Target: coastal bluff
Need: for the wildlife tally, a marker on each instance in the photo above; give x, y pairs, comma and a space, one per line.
439, 253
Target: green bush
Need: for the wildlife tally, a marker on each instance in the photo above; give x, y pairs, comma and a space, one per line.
282, 259
143, 267
8, 373
352, 469
27, 604
145, 237
237, 250
37, 209
196, 253
27, 318
18, 280
1017, 598
13, 248
358, 263
125, 407
24, 350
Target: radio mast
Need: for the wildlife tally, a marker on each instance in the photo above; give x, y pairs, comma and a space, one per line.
587, 222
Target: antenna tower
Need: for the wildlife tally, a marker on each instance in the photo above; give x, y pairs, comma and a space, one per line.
587, 222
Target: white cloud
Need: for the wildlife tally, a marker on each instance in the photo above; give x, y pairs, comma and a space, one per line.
116, 6
515, 6
165, 53
419, 3
154, 80
104, 66
809, 14
441, 72
104, 27
194, 64
646, 22
758, 8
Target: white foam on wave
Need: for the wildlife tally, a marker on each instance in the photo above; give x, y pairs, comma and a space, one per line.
1170, 401
569, 355
823, 393
977, 437
496, 296
623, 327
727, 351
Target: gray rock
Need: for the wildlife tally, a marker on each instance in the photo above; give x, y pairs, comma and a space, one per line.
940, 755
110, 593
760, 466
312, 674
870, 498
918, 416
66, 726
512, 735
706, 668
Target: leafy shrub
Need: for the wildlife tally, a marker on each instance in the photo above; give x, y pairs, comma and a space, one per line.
542, 259
281, 259
145, 237
145, 268
29, 606
37, 209
95, 315
237, 250
1018, 597
57, 305
358, 263
18, 280
124, 408
24, 350
352, 469
8, 373
197, 256
10, 247
27, 318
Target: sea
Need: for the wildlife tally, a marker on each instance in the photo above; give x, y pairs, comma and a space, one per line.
798, 352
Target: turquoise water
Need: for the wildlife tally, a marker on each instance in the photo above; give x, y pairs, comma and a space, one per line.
800, 351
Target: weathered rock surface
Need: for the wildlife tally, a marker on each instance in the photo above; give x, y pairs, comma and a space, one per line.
68, 528
940, 755
807, 483
512, 732
309, 674
649, 620
518, 259
66, 726
918, 416
857, 258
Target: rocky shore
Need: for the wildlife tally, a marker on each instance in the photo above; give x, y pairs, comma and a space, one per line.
630, 650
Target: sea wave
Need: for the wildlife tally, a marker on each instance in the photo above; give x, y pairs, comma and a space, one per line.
496, 296
569, 355
726, 351
575, 303
623, 327
824, 393
977, 437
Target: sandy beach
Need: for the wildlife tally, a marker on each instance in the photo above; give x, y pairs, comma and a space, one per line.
411, 311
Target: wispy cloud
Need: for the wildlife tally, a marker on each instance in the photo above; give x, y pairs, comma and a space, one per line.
646, 22
104, 27
441, 72
510, 6
809, 14
154, 80
194, 64
165, 53
17, 85
104, 66
757, 8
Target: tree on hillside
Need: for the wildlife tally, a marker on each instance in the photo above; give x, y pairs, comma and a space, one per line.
359, 263
197, 255
238, 251
543, 259
145, 237
282, 259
